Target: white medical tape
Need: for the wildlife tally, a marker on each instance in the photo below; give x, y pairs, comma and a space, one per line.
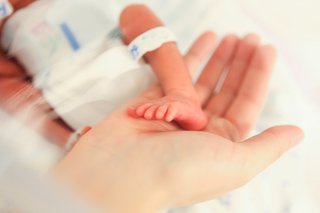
6, 9
149, 41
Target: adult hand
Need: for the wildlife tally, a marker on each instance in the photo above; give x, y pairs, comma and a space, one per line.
133, 165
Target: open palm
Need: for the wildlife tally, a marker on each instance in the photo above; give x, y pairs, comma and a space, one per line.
154, 164
235, 108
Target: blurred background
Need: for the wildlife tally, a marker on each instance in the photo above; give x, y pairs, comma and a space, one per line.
291, 185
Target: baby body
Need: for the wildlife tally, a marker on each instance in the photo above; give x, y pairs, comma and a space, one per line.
82, 82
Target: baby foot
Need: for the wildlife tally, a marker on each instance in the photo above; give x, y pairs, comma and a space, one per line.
185, 111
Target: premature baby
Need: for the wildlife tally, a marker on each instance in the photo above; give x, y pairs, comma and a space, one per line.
82, 82
180, 102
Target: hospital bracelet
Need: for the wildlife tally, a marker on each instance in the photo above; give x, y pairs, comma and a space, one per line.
149, 41
75, 137
6, 9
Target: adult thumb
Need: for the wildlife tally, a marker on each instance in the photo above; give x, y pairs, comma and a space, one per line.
267, 147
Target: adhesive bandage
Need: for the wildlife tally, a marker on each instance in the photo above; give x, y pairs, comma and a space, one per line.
6, 9
149, 41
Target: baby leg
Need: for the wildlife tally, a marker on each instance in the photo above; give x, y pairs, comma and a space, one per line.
181, 102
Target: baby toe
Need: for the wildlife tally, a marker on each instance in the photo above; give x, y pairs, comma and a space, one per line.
171, 113
142, 109
162, 110
150, 112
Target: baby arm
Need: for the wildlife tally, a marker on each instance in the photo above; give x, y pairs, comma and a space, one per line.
181, 102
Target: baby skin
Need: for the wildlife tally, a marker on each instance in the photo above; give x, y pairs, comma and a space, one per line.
180, 102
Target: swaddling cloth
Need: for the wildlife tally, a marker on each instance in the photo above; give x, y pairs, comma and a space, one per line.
51, 30
97, 88
83, 70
